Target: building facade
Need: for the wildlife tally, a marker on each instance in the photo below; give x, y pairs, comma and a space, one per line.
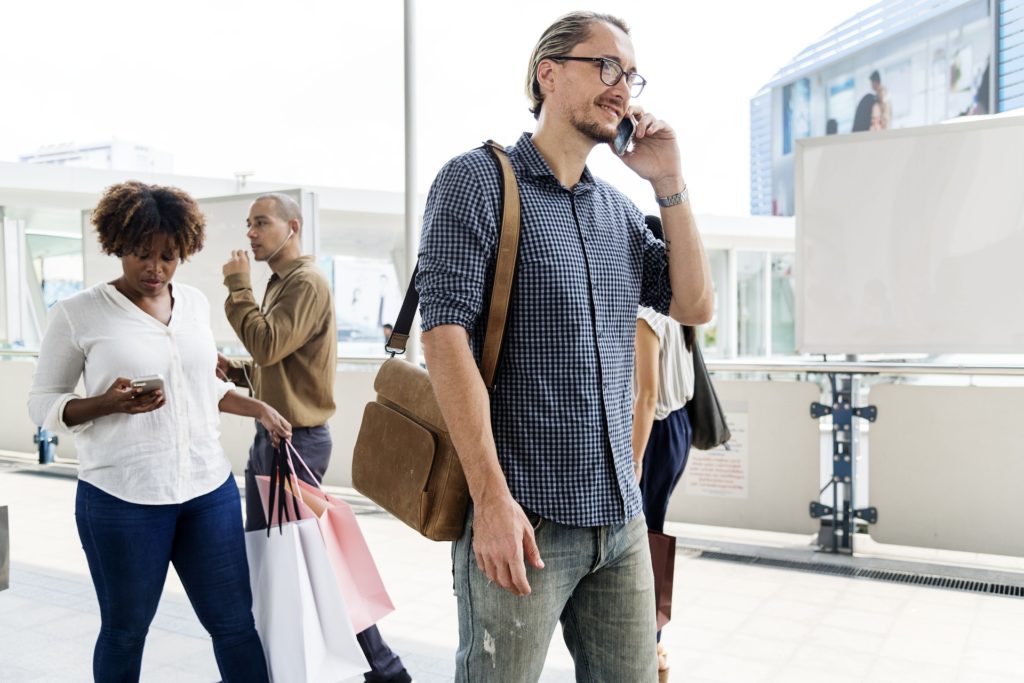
116, 155
897, 64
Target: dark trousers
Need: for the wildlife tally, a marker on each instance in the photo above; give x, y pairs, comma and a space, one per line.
314, 445
129, 547
664, 462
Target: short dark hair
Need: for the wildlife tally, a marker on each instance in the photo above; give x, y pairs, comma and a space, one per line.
560, 38
286, 208
875, 76
130, 214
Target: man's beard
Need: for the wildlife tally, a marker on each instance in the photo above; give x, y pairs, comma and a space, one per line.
591, 129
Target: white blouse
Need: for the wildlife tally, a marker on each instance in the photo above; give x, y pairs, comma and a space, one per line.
675, 363
169, 455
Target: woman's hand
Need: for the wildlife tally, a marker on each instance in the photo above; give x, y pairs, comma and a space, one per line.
275, 424
122, 397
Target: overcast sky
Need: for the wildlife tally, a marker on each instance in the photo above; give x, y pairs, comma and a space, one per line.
310, 91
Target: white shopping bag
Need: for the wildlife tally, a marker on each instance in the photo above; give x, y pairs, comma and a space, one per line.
300, 614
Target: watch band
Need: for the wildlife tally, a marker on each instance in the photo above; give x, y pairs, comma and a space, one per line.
672, 200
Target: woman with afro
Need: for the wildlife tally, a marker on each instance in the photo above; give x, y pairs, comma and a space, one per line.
155, 487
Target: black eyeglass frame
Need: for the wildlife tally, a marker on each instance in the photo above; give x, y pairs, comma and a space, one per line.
633, 79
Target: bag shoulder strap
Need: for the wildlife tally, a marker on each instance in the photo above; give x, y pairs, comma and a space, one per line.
504, 276
504, 269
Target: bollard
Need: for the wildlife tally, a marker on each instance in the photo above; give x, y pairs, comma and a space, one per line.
45, 441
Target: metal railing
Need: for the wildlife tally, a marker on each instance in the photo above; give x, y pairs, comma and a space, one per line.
796, 366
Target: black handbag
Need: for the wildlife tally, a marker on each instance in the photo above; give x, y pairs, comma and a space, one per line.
707, 419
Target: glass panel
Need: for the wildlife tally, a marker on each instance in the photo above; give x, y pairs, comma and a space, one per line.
750, 313
366, 297
58, 265
53, 238
715, 333
783, 305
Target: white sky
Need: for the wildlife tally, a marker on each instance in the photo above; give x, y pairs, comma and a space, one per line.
310, 91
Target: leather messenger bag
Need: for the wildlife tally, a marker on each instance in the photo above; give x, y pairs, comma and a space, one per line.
404, 459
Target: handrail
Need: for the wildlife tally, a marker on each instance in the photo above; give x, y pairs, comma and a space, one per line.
862, 367
757, 365
348, 360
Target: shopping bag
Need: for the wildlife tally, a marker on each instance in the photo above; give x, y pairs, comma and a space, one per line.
356, 572
663, 558
300, 614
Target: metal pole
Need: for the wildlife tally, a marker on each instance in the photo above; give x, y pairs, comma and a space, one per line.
411, 205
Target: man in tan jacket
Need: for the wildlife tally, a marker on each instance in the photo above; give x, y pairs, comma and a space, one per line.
293, 343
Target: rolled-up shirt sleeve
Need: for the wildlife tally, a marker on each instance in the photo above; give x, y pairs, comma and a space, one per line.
457, 250
656, 287
222, 388
60, 365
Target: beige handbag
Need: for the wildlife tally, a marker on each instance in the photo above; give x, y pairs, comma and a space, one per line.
404, 459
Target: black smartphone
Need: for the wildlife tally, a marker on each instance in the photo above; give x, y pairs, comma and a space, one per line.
624, 135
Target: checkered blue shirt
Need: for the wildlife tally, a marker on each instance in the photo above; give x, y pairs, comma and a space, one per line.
561, 409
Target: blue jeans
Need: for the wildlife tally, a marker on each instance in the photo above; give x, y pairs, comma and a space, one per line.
597, 581
129, 546
314, 445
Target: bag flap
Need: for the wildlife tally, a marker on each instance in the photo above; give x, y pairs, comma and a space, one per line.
393, 454
408, 386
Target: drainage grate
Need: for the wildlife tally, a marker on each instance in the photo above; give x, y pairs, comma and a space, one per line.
913, 578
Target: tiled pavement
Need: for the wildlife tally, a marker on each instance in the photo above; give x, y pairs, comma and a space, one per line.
732, 622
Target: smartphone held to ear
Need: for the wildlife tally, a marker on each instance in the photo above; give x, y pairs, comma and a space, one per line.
624, 135
149, 383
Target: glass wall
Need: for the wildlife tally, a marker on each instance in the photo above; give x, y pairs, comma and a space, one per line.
783, 339
715, 340
366, 297
751, 316
42, 264
765, 321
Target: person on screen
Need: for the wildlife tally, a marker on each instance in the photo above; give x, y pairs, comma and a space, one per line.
868, 115
883, 101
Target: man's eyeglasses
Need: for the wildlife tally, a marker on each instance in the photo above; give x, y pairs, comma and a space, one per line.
611, 72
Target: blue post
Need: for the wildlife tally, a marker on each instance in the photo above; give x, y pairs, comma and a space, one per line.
45, 441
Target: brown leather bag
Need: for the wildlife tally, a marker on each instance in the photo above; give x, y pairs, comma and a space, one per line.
404, 459
663, 559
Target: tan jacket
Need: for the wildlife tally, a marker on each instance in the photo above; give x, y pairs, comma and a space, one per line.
291, 338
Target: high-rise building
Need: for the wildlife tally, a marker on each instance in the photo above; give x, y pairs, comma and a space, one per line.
897, 64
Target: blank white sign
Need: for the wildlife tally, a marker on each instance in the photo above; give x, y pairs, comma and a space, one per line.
912, 241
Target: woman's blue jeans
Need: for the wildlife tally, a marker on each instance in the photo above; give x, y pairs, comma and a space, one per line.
129, 547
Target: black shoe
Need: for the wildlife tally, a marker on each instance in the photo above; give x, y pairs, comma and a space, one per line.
401, 677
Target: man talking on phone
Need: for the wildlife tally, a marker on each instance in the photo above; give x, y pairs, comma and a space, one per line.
555, 531
292, 341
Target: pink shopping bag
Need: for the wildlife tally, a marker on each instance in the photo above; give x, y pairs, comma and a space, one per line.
347, 551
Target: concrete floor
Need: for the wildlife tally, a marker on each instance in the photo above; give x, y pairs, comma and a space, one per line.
732, 622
